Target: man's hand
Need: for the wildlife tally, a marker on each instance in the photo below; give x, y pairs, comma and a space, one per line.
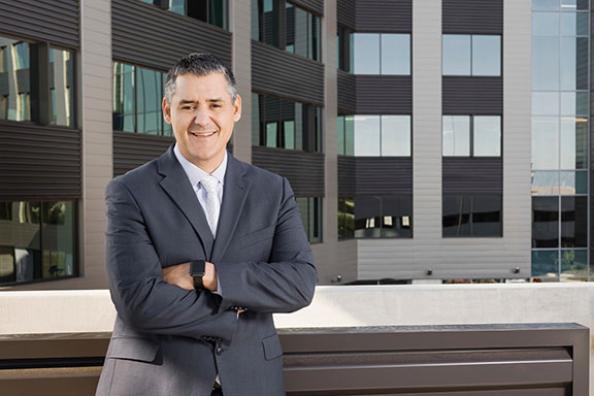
209, 280
179, 275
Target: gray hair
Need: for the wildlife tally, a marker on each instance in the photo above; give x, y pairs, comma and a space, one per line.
199, 64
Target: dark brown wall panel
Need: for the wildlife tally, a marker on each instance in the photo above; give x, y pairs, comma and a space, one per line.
472, 16
347, 183
39, 162
383, 94
132, 150
472, 175
472, 95
280, 73
315, 6
374, 175
345, 13
305, 171
147, 35
383, 175
393, 16
346, 93
54, 21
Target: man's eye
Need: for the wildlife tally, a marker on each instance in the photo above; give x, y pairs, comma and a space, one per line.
216, 105
186, 107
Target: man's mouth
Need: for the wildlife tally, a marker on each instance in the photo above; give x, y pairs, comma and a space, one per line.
202, 133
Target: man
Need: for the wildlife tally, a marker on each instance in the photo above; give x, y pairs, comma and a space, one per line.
201, 250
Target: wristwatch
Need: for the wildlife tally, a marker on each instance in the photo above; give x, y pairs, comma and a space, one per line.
197, 272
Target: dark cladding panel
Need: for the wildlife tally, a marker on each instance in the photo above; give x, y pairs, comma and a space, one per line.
472, 16
280, 73
305, 171
132, 150
147, 35
472, 95
345, 13
315, 6
393, 16
383, 94
346, 93
54, 21
39, 162
347, 186
383, 175
472, 175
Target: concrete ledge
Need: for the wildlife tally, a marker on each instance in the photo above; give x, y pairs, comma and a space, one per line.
30, 312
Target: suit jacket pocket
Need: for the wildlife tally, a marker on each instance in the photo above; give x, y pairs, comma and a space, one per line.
133, 348
272, 347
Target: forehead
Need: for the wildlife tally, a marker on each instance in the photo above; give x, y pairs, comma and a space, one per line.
191, 86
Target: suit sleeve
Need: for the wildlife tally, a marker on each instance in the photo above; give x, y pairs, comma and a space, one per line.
287, 282
141, 297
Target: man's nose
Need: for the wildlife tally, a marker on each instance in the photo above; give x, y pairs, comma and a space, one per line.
201, 117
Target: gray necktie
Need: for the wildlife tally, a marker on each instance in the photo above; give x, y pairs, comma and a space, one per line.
213, 205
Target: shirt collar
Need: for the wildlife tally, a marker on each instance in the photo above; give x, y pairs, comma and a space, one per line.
195, 174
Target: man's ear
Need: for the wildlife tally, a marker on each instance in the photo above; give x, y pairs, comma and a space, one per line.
237, 108
165, 106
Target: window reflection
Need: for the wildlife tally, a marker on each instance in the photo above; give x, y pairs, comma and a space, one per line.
387, 216
148, 101
37, 240
61, 73
15, 98
380, 53
545, 222
310, 209
302, 32
471, 55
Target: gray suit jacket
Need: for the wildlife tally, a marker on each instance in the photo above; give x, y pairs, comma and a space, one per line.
171, 342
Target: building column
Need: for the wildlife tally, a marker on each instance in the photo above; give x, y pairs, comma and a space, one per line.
241, 54
97, 135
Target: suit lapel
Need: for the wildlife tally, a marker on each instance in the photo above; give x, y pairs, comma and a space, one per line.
178, 187
236, 189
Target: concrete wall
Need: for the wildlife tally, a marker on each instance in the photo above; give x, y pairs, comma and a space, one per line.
92, 310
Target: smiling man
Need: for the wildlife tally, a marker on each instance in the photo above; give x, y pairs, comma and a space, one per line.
202, 249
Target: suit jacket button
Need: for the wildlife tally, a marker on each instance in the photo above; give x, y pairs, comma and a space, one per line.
219, 349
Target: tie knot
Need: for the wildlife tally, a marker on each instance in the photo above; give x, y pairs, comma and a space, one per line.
209, 183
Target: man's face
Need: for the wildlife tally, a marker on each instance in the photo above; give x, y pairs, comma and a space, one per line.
202, 116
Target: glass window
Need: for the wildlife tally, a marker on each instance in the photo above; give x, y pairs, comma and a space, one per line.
367, 135
545, 5
456, 216
365, 57
302, 32
349, 135
574, 143
148, 101
395, 136
574, 103
545, 103
268, 26
574, 221
487, 136
574, 264
217, 13
310, 209
486, 55
61, 87
340, 137
346, 218
486, 216
178, 6
396, 216
456, 135
545, 24
123, 97
15, 80
545, 222
572, 183
545, 146
37, 241
456, 55
574, 23
545, 264
545, 183
546, 63
271, 134
395, 54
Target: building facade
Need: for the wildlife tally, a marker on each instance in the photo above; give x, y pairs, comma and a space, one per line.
425, 140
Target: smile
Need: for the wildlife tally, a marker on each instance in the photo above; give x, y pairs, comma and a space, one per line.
202, 134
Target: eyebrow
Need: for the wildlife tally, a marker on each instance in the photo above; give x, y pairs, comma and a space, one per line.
188, 101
